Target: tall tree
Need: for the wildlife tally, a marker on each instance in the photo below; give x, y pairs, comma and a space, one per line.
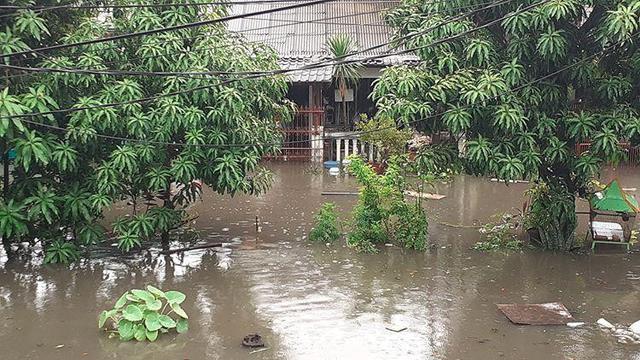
524, 92
151, 154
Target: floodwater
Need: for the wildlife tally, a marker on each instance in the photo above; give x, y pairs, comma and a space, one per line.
312, 301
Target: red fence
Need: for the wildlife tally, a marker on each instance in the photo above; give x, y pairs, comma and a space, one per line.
297, 134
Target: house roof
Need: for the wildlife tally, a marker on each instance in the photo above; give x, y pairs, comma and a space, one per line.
300, 35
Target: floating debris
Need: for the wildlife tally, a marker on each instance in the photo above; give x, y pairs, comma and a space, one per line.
253, 341
536, 314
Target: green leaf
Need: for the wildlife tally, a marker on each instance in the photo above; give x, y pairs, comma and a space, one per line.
167, 321
140, 333
102, 319
178, 310
132, 313
154, 305
122, 301
182, 326
152, 321
134, 298
155, 291
152, 335
175, 297
125, 329
143, 295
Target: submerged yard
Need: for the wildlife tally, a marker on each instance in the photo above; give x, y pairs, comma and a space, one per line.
312, 301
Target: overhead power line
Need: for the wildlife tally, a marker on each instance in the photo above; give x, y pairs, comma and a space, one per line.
170, 28
224, 146
218, 73
279, 71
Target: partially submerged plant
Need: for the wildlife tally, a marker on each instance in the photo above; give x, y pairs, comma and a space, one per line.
144, 314
502, 234
325, 227
383, 214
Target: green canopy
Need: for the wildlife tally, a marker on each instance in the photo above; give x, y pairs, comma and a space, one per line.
615, 199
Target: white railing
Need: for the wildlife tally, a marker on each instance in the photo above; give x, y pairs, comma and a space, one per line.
345, 144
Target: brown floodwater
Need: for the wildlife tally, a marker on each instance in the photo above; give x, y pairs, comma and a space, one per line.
313, 301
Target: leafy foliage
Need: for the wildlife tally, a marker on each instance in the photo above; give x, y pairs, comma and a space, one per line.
382, 213
501, 234
526, 92
145, 314
62, 181
325, 228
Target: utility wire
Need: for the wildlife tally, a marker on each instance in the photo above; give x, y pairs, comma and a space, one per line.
217, 73
277, 72
129, 6
360, 133
265, 41
169, 28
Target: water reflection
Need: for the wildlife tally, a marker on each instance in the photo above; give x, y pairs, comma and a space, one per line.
310, 301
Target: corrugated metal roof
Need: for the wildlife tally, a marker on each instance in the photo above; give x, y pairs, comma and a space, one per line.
300, 35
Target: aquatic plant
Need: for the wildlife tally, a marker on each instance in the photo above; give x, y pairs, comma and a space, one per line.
383, 214
144, 314
325, 227
501, 234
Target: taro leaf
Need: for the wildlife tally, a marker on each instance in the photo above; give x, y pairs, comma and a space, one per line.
132, 313
133, 298
122, 301
143, 295
102, 319
152, 322
152, 335
175, 297
155, 291
154, 305
167, 321
182, 326
178, 310
141, 332
125, 329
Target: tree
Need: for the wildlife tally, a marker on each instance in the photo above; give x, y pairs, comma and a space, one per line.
525, 91
152, 154
347, 74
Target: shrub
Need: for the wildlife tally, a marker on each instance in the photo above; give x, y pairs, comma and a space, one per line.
325, 228
500, 235
382, 213
144, 314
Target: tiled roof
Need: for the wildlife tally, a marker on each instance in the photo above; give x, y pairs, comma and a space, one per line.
319, 74
300, 35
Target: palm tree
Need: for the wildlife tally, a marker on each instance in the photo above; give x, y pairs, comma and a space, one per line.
344, 75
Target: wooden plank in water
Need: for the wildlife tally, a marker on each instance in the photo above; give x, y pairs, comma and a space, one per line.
553, 313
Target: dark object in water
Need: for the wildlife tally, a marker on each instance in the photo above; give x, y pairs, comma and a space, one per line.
196, 247
253, 341
536, 314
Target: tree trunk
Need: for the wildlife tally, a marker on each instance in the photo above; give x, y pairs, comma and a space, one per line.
5, 167
168, 204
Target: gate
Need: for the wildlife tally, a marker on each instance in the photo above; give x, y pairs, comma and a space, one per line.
298, 134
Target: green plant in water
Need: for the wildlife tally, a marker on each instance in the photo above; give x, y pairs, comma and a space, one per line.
325, 228
501, 235
551, 217
144, 314
383, 214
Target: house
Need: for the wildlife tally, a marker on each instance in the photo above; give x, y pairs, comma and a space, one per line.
320, 130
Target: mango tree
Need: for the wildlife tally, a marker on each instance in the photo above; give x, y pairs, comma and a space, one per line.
151, 154
521, 93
